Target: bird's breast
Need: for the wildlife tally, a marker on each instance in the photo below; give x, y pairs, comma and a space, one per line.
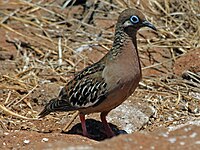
125, 69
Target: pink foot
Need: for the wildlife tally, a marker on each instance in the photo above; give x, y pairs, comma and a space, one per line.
107, 128
82, 118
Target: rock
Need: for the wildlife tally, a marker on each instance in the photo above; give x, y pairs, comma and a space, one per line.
130, 115
189, 61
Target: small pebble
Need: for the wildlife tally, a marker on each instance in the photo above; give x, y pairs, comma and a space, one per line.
6, 133
187, 129
45, 140
197, 142
164, 134
193, 135
26, 141
172, 140
152, 147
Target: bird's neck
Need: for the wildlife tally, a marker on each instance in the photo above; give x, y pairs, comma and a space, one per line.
121, 40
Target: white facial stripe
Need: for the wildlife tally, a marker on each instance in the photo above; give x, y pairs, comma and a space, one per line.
127, 23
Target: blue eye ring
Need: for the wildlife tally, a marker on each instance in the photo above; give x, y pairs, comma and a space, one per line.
134, 19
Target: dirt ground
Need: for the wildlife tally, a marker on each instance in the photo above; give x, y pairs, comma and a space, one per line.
164, 111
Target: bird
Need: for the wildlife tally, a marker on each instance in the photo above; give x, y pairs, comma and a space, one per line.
106, 84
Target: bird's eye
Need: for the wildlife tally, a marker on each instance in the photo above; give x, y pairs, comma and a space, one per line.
134, 19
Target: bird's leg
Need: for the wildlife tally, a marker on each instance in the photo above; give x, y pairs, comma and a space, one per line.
82, 118
106, 126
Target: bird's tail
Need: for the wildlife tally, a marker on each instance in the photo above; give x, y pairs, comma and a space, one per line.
55, 105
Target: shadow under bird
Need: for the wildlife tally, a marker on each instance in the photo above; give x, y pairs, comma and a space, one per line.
107, 83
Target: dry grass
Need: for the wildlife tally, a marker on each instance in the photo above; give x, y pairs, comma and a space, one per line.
47, 35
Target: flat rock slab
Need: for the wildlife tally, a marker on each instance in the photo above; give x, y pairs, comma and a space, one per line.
131, 115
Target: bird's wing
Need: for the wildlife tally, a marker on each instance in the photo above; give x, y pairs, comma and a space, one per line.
88, 88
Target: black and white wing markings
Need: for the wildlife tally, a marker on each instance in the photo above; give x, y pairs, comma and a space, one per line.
86, 89
87, 92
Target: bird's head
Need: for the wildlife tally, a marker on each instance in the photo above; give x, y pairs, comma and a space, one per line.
131, 20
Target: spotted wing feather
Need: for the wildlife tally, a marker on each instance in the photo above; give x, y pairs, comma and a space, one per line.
88, 88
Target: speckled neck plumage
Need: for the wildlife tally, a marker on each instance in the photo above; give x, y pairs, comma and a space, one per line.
121, 37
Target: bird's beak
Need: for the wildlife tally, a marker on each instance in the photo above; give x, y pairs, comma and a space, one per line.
148, 24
